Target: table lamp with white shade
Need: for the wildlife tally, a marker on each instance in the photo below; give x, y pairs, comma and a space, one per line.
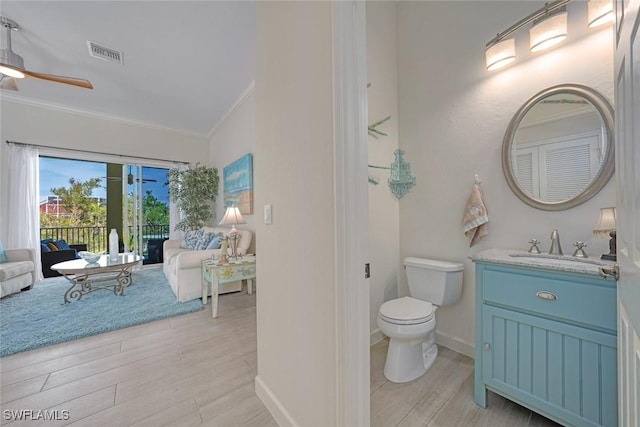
231, 217
607, 225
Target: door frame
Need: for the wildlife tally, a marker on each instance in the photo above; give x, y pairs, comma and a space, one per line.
626, 72
351, 214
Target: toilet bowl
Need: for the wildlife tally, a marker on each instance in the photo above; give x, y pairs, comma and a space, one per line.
410, 322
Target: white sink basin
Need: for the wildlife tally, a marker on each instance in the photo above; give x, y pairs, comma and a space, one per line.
558, 259
565, 263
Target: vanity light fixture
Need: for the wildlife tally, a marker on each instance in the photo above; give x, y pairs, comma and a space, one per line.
548, 30
500, 50
500, 53
599, 12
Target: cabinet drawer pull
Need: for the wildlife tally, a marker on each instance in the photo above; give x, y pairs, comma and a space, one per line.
547, 295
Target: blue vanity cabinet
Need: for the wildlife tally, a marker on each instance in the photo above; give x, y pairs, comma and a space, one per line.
547, 340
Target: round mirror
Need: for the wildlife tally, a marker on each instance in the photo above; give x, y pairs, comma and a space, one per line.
558, 150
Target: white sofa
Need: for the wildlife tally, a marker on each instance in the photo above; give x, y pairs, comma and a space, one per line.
183, 267
18, 272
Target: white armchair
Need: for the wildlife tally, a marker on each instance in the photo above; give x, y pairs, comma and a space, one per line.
18, 272
183, 267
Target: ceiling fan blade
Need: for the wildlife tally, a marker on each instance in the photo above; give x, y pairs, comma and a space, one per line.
60, 79
7, 82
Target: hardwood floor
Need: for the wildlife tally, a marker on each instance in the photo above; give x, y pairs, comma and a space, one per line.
441, 397
193, 370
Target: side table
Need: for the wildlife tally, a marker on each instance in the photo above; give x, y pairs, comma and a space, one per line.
215, 274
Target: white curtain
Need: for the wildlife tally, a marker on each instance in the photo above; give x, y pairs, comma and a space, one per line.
21, 224
174, 214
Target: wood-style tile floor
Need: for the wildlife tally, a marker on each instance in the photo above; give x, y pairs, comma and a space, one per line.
442, 397
189, 370
193, 370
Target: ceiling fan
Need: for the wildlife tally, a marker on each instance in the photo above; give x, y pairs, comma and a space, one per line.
131, 179
12, 65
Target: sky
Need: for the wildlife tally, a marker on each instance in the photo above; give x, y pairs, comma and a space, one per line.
56, 173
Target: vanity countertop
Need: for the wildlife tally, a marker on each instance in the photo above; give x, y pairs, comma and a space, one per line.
551, 262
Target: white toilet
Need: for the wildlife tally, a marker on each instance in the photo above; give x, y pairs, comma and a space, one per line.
410, 322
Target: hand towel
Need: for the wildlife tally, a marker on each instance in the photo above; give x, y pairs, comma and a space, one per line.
475, 219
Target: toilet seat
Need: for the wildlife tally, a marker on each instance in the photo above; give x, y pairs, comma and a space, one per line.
406, 311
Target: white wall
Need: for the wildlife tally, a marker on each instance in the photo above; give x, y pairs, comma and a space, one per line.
236, 136
293, 171
232, 138
32, 124
453, 116
384, 208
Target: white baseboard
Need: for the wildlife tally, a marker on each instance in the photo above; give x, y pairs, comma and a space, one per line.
375, 337
278, 412
456, 344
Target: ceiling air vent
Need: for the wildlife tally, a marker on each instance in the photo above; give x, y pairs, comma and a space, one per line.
105, 53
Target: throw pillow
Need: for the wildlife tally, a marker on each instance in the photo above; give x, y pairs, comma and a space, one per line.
52, 246
3, 254
62, 245
44, 248
204, 241
190, 238
216, 241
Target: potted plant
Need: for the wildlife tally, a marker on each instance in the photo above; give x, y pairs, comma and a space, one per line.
195, 190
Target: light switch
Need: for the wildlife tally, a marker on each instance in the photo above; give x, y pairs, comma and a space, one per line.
267, 214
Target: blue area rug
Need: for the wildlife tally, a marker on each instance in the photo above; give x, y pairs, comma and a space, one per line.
40, 317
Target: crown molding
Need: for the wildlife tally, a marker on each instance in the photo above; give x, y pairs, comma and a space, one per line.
245, 95
93, 114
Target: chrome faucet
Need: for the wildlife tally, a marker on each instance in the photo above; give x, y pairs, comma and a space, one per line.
579, 252
555, 243
534, 249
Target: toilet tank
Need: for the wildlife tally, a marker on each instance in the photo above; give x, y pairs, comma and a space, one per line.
438, 282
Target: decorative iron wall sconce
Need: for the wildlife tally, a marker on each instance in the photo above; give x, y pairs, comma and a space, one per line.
400, 179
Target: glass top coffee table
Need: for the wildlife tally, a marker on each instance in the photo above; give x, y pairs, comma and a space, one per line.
83, 276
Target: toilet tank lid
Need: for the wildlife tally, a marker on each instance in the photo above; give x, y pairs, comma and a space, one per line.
434, 264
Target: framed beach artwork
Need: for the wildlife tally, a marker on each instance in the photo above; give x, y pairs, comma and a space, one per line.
237, 179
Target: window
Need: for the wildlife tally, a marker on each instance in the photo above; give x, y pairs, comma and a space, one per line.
558, 169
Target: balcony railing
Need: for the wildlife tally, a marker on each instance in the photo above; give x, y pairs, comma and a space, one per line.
97, 238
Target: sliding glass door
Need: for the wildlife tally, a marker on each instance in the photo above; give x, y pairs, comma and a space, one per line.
145, 210
82, 200
132, 212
